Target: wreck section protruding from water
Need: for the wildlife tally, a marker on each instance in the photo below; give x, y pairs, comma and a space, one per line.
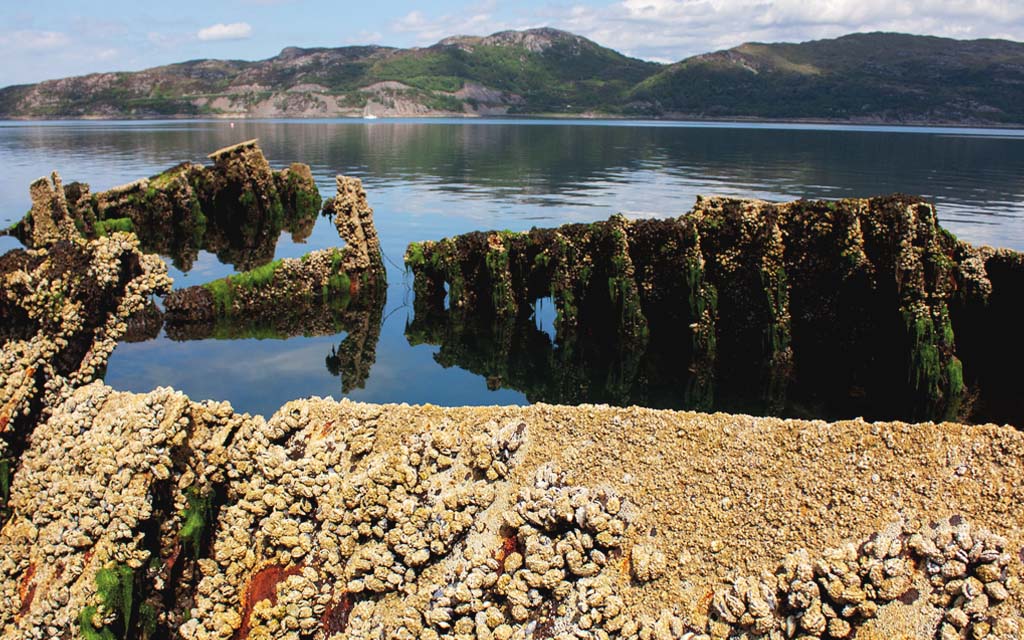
334, 277
871, 295
235, 208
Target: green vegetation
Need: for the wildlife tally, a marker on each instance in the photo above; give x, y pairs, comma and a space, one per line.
497, 261
886, 76
934, 371
147, 619
622, 288
115, 587
225, 289
776, 289
195, 519
414, 255
307, 201
338, 283
88, 630
703, 302
247, 199
5, 486
109, 226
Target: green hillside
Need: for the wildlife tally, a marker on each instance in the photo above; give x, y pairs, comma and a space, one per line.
872, 77
539, 70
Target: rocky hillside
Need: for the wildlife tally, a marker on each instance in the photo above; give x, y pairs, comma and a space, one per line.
873, 77
534, 71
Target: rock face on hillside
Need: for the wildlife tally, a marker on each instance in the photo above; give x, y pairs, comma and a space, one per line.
152, 516
871, 293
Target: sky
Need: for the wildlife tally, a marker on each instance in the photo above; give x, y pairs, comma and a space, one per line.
70, 37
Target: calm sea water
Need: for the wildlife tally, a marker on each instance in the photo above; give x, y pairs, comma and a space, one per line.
430, 179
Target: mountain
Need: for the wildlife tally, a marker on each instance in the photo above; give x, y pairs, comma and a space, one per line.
533, 71
866, 77
873, 77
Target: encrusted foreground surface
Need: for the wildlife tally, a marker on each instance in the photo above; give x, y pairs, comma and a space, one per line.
154, 516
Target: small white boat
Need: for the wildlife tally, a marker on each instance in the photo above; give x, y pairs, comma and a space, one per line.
369, 116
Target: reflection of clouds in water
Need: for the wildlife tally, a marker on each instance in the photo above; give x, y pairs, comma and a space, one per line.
254, 375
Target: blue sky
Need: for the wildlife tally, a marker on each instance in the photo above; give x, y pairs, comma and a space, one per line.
64, 37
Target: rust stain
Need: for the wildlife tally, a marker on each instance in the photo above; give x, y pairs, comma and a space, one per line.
353, 288
27, 590
509, 543
172, 559
262, 586
705, 601
325, 429
335, 618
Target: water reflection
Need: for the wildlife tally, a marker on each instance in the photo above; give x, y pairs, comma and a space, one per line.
428, 180
350, 360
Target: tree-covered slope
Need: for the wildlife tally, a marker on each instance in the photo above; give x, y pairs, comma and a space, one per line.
871, 76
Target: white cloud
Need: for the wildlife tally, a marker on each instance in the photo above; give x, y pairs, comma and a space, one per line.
364, 37
220, 31
34, 40
428, 30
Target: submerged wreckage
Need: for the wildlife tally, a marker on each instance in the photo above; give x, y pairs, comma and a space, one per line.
154, 516
871, 296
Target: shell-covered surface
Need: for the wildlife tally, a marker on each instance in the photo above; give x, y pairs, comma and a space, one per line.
345, 520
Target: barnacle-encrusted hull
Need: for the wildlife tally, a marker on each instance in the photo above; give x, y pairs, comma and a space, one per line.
154, 516
63, 310
345, 520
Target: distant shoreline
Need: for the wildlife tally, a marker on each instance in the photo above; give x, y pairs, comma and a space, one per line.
542, 116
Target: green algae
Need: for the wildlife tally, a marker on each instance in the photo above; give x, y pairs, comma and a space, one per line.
5, 486
195, 519
115, 589
496, 261
414, 256
110, 225
225, 290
